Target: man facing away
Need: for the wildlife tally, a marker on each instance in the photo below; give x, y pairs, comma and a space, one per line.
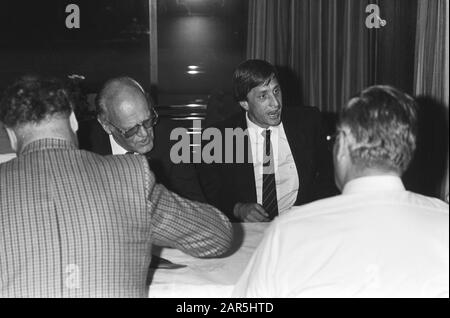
374, 240
128, 118
76, 224
287, 161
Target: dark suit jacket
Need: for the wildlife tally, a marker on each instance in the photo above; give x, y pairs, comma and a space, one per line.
76, 224
180, 178
5, 146
226, 184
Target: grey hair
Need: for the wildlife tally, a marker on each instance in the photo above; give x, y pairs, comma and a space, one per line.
383, 124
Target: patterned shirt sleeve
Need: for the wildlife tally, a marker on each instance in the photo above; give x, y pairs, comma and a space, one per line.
197, 229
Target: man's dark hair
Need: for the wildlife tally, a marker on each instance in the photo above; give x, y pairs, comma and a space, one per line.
31, 99
250, 74
383, 124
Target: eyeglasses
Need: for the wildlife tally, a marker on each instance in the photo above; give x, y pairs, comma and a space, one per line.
147, 124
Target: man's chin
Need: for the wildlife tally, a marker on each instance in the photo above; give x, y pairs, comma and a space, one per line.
275, 122
145, 149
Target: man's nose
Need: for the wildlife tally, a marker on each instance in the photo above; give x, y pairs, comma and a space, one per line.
143, 132
275, 101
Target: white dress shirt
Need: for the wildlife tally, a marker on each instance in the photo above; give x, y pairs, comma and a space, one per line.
374, 240
7, 156
286, 176
116, 149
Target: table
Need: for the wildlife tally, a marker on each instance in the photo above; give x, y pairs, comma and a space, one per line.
207, 278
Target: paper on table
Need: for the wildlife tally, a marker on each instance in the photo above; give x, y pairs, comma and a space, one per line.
7, 157
159, 262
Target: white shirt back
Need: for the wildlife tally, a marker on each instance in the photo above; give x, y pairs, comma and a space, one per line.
374, 240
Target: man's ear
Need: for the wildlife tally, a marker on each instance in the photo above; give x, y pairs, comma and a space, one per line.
342, 160
343, 143
244, 104
73, 122
105, 126
12, 138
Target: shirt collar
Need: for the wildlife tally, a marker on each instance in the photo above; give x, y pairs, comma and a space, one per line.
383, 183
116, 149
254, 128
47, 143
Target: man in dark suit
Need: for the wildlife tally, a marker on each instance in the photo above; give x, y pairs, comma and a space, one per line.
289, 163
77, 224
125, 123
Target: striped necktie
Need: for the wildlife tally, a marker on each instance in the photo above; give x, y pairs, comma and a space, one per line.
270, 202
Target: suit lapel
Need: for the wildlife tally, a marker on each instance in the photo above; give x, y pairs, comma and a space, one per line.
296, 137
244, 173
92, 137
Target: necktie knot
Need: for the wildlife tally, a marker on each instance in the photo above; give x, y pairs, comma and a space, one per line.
266, 134
267, 148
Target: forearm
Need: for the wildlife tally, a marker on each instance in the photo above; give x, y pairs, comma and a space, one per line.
198, 229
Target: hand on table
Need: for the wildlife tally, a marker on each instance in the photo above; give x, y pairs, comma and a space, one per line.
250, 212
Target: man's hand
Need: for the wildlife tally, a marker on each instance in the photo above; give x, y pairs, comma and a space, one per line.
250, 212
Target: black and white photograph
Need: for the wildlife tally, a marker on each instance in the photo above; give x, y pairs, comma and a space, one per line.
227, 155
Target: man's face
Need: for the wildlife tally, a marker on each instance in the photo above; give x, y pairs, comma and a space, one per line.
264, 104
126, 115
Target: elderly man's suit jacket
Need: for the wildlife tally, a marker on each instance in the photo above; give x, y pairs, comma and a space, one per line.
180, 178
76, 224
226, 184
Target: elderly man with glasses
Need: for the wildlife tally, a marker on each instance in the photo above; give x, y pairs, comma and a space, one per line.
128, 117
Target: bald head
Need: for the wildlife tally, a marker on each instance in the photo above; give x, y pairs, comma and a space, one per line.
117, 91
122, 105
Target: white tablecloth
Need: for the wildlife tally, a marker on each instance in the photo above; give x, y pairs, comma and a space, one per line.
208, 278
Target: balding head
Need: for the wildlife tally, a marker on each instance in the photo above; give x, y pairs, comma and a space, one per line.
116, 91
122, 104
